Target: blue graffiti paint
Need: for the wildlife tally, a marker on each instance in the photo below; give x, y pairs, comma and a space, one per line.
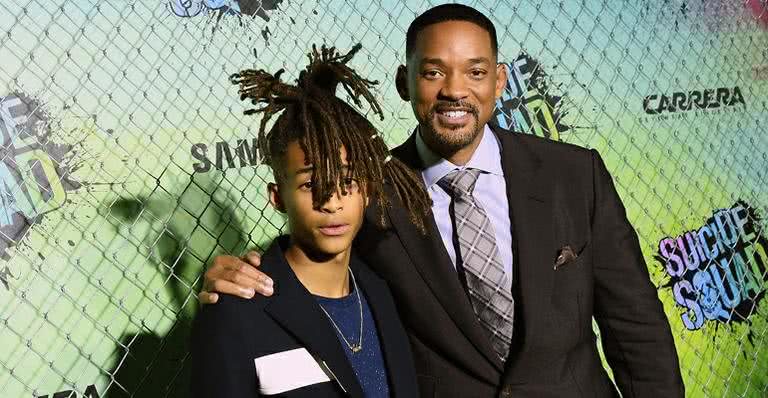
35, 171
527, 104
718, 272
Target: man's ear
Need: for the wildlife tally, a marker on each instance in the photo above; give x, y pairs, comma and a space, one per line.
401, 82
274, 197
501, 79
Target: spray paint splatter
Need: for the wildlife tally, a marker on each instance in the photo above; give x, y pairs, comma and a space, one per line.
217, 10
35, 169
532, 102
759, 10
222, 8
711, 15
258, 8
5, 276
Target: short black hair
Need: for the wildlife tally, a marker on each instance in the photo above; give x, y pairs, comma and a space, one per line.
449, 12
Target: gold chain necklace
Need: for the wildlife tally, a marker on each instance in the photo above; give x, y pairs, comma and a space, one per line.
353, 347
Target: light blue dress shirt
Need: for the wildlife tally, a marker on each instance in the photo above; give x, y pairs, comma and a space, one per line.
490, 191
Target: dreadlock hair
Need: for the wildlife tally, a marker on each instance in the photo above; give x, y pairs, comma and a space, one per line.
322, 123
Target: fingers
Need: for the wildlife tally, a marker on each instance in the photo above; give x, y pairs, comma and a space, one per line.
249, 278
249, 271
226, 287
230, 275
208, 298
253, 257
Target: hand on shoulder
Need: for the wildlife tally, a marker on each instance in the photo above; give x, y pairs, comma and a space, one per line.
235, 276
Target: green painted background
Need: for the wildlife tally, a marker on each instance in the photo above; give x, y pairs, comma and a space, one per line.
102, 286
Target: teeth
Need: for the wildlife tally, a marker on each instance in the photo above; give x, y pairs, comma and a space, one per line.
455, 114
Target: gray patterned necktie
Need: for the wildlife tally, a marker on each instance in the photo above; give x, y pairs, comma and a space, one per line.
490, 290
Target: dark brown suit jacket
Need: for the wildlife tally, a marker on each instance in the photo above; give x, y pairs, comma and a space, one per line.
559, 195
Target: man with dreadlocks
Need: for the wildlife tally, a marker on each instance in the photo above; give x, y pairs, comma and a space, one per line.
331, 329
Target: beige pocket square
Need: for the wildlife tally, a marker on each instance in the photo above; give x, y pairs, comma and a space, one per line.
565, 255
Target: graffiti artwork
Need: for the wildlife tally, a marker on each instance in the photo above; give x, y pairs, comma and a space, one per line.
193, 8
528, 103
759, 9
5, 276
34, 171
718, 271
90, 392
126, 165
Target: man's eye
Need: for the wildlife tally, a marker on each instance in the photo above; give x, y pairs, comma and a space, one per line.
350, 184
477, 73
431, 74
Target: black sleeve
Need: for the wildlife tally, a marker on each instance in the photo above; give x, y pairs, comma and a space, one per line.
635, 333
222, 364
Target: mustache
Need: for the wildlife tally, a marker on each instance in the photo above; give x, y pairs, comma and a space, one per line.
449, 105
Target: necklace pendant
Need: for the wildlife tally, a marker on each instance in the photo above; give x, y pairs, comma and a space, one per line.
356, 348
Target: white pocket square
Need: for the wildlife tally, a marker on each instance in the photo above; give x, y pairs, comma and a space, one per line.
288, 370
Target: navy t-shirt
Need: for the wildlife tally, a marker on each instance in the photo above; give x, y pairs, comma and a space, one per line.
368, 363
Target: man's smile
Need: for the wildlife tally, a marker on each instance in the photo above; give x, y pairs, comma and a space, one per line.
454, 117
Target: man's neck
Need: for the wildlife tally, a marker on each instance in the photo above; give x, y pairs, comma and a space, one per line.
325, 276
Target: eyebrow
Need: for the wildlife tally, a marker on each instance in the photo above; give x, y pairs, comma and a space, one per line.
472, 61
479, 60
436, 61
304, 170
308, 169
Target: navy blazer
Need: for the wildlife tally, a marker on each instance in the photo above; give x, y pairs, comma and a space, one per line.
228, 337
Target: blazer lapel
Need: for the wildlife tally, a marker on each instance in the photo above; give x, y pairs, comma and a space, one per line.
431, 260
393, 342
294, 308
532, 227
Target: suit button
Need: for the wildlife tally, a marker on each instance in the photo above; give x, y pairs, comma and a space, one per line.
506, 392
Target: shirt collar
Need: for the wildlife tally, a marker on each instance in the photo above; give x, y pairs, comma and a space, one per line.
487, 158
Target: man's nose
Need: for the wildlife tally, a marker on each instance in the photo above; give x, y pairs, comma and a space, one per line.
455, 87
333, 204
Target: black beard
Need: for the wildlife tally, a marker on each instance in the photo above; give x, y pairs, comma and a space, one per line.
441, 144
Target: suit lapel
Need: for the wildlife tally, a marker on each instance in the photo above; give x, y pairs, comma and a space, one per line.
392, 347
532, 231
532, 227
293, 307
430, 258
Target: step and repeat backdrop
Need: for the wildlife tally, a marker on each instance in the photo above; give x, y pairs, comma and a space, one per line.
126, 164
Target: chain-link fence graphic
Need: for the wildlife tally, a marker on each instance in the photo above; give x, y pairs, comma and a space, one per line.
127, 164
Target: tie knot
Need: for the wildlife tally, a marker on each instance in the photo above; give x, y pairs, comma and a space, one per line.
459, 182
